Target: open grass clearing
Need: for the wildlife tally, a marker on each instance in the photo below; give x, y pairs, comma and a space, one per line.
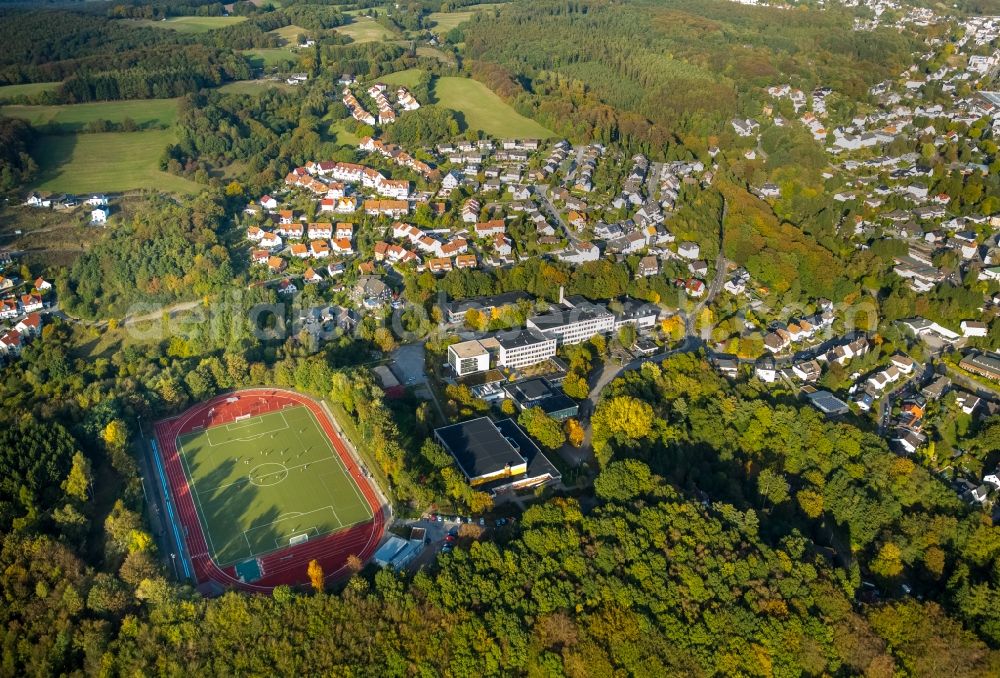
270, 56
342, 132
74, 117
445, 21
408, 78
435, 53
112, 162
8, 92
191, 24
290, 33
365, 29
254, 86
482, 109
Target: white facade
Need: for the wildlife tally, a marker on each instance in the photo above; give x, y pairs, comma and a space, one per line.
524, 349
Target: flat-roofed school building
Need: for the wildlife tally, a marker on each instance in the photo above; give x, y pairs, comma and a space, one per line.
496, 457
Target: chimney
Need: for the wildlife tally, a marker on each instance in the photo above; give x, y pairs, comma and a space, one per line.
560, 295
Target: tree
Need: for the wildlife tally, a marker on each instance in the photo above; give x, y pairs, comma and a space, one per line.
77, 483
623, 418
115, 435
624, 480
888, 563
772, 487
383, 339
574, 432
627, 335
542, 428
811, 502
315, 572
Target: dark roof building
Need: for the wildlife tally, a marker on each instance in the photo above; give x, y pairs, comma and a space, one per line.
455, 310
538, 392
496, 457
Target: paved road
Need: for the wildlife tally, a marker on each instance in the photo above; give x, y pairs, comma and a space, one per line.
543, 192
610, 371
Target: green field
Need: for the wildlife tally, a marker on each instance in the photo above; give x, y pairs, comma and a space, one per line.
343, 132
270, 56
364, 29
193, 24
263, 481
74, 117
434, 53
254, 86
8, 92
445, 21
118, 161
408, 78
290, 33
484, 110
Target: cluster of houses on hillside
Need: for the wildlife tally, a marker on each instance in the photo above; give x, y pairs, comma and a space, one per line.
98, 203
377, 92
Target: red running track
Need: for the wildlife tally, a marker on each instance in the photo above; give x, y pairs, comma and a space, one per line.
287, 565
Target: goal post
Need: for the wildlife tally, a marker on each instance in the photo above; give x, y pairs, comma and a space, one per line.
298, 539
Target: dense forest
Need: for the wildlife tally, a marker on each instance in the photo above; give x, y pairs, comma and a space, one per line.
162, 252
685, 65
701, 551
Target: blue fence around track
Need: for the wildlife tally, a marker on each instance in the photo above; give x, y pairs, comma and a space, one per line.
170, 509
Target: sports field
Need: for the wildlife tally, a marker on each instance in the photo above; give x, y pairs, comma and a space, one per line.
484, 110
266, 482
115, 161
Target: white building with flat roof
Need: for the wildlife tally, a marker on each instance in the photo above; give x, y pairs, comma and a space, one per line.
468, 357
524, 348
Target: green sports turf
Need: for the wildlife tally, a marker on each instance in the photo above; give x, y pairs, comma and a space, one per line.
262, 482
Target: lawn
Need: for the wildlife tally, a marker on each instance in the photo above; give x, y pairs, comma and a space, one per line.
118, 161
193, 24
343, 132
270, 56
8, 92
73, 117
365, 29
408, 78
266, 482
484, 110
254, 86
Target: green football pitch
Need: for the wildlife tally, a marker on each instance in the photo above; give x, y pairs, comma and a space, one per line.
266, 482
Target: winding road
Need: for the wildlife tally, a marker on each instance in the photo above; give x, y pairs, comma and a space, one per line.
608, 372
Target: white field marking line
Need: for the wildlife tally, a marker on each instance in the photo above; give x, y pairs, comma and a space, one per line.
194, 490
254, 436
246, 480
347, 473
340, 523
293, 531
